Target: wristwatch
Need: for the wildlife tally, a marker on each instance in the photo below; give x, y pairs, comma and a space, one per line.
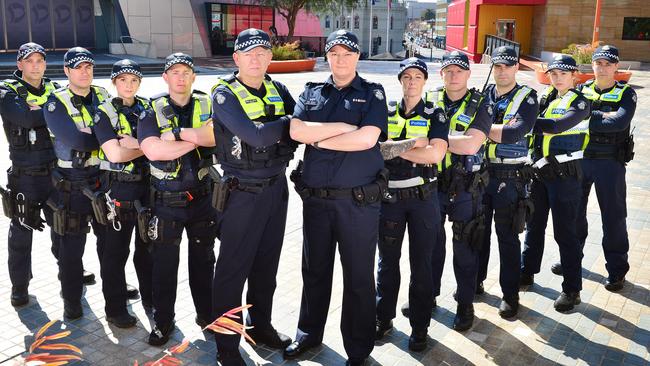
177, 133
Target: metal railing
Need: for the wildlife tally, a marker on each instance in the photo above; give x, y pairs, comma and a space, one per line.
134, 40
492, 42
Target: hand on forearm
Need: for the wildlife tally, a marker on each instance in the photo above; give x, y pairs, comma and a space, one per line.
129, 142
362, 139
391, 149
310, 132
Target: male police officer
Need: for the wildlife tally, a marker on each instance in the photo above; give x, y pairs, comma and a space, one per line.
251, 127
610, 148
418, 133
179, 193
463, 180
69, 115
342, 120
32, 157
506, 196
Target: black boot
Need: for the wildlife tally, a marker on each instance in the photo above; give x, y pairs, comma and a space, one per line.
526, 280
131, 292
19, 295
418, 340
406, 311
89, 278
270, 337
556, 268
125, 320
509, 307
72, 309
612, 285
464, 317
566, 301
160, 335
383, 327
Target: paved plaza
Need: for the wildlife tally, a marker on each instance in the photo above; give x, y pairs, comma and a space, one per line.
606, 329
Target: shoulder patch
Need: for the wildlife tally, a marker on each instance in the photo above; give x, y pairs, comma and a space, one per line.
96, 118
379, 94
142, 115
441, 117
582, 105
530, 100
221, 98
51, 107
490, 110
634, 97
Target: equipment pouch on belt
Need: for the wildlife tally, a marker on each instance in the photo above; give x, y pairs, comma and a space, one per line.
628, 149
470, 232
144, 216
59, 219
523, 211
98, 203
373, 192
296, 178
8, 203
221, 188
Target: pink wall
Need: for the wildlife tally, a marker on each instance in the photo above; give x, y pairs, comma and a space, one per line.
307, 24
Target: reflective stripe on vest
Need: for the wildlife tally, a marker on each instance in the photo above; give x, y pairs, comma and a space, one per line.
31, 98
201, 115
252, 105
556, 109
517, 152
81, 119
613, 96
416, 126
459, 119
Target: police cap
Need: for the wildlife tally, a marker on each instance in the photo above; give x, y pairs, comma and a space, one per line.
455, 58
412, 62
28, 48
179, 58
125, 66
251, 38
606, 52
562, 62
76, 56
505, 55
344, 38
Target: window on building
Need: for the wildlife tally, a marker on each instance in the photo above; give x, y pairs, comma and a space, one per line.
506, 28
328, 23
337, 24
391, 22
347, 24
375, 22
636, 29
356, 22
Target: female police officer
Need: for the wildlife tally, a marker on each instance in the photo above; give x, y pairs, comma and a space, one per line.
418, 133
560, 138
124, 172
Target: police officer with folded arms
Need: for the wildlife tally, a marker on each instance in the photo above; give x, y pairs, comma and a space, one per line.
30, 151
125, 180
417, 133
69, 116
179, 193
507, 197
462, 181
341, 184
251, 116
561, 132
610, 148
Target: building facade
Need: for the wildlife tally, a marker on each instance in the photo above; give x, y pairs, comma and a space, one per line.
360, 21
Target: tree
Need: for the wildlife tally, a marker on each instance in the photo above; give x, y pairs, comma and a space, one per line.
289, 9
429, 14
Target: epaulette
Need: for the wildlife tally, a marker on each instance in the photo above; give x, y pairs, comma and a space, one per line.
196, 91
392, 107
158, 96
309, 84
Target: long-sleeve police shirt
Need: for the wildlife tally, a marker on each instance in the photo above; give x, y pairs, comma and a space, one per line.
523, 120
578, 111
63, 127
621, 119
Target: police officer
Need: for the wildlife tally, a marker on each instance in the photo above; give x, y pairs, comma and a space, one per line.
179, 193
69, 117
561, 132
341, 120
507, 197
32, 157
418, 141
610, 148
251, 127
462, 181
125, 180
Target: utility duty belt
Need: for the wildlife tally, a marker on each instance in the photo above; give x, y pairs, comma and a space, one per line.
179, 199
362, 195
623, 152
125, 177
33, 171
560, 166
525, 172
455, 179
422, 192
223, 185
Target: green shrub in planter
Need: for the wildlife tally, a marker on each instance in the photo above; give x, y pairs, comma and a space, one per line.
288, 51
580, 52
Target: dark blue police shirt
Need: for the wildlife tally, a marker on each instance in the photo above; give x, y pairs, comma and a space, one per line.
188, 175
228, 112
362, 103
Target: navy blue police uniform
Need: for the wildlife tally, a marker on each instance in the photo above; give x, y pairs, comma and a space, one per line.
461, 185
341, 204
69, 118
251, 129
507, 196
560, 137
123, 184
29, 182
610, 148
180, 200
413, 188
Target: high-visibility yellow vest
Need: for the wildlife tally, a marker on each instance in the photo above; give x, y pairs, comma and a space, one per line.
519, 151
24, 92
556, 109
254, 106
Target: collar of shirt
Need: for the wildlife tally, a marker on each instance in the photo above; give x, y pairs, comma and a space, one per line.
260, 93
417, 110
18, 75
453, 106
495, 99
356, 82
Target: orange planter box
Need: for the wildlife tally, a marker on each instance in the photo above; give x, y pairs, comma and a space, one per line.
581, 77
277, 67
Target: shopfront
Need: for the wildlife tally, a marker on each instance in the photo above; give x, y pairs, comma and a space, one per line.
225, 21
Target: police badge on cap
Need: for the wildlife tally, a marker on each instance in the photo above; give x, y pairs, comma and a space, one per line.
344, 38
28, 48
251, 38
505, 55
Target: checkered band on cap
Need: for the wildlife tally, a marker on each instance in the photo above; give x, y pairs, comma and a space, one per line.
342, 41
417, 66
562, 66
252, 42
75, 61
505, 57
598, 55
178, 60
455, 61
126, 70
26, 51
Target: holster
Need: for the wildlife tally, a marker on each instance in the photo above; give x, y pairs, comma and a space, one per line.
66, 222
144, 216
628, 149
98, 203
8, 203
470, 232
296, 178
523, 211
373, 192
221, 188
